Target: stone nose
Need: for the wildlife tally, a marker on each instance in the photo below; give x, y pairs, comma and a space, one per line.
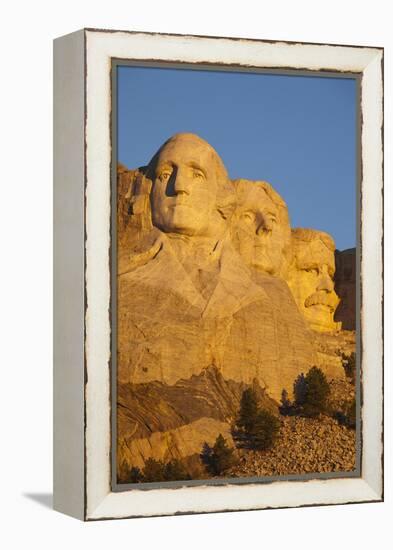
181, 182
325, 282
263, 224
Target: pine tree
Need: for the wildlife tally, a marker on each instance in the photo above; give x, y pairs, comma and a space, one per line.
317, 392
206, 453
264, 430
300, 390
134, 475
175, 471
286, 406
248, 409
153, 470
123, 472
221, 457
350, 414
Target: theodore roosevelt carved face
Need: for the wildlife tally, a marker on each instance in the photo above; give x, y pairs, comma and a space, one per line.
190, 187
260, 227
311, 278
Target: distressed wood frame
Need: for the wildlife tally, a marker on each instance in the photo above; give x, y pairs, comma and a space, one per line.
82, 297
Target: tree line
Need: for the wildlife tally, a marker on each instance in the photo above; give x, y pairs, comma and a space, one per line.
255, 427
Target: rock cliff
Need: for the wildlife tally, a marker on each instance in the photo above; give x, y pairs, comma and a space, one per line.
204, 309
162, 421
345, 285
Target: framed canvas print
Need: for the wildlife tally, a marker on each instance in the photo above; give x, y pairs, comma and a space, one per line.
218, 274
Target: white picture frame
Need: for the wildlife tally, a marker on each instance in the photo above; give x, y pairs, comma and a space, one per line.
82, 244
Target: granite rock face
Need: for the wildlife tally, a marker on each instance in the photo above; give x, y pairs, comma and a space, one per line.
260, 228
162, 421
310, 278
345, 285
208, 301
198, 275
246, 328
330, 348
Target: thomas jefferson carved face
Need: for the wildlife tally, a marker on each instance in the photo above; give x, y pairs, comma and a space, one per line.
311, 278
187, 176
260, 228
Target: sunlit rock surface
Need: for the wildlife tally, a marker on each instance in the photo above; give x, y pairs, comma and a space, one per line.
214, 294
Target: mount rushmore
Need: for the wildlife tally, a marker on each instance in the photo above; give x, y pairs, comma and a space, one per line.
215, 292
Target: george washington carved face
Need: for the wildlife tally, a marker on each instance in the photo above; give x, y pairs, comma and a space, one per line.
190, 184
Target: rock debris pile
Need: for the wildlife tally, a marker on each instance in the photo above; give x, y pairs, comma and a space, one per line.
305, 445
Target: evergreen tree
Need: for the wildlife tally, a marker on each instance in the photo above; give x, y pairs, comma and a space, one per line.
350, 414
175, 471
248, 409
317, 392
206, 454
218, 458
286, 406
264, 430
134, 475
260, 426
153, 470
300, 390
123, 472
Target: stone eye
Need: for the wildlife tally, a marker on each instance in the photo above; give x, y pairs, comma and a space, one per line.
269, 217
164, 176
197, 174
247, 217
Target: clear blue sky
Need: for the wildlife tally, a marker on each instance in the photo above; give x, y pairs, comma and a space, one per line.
296, 132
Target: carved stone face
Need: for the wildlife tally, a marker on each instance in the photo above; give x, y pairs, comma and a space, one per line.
184, 193
312, 285
261, 231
